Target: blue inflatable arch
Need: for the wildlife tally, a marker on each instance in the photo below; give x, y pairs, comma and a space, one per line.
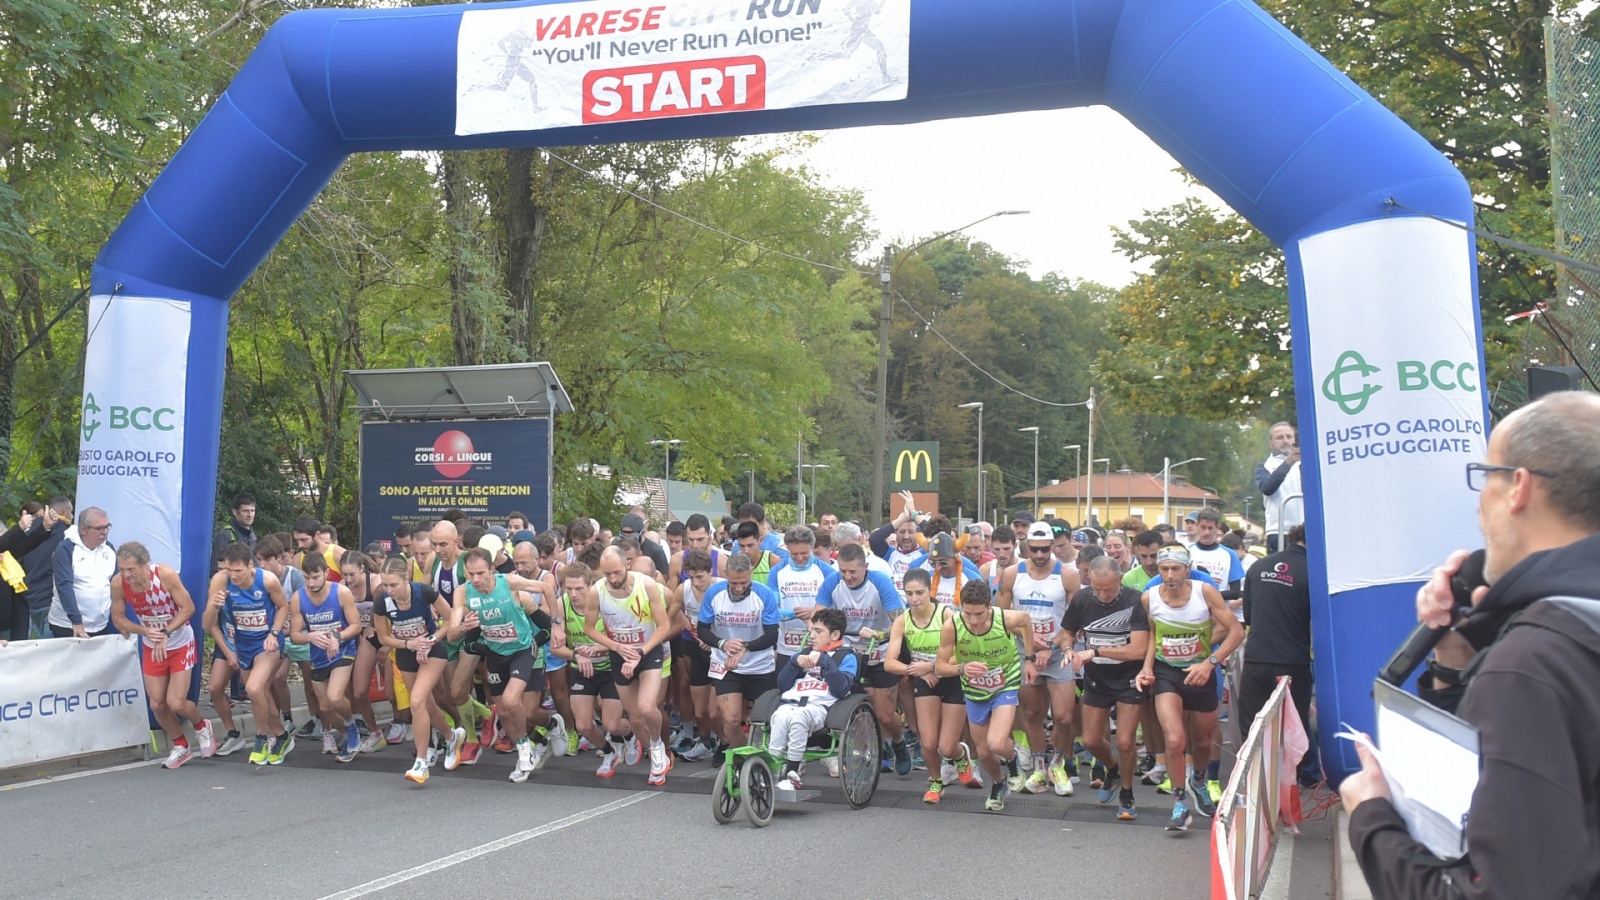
1383, 304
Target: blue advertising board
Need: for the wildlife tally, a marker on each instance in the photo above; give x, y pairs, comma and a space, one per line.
487, 468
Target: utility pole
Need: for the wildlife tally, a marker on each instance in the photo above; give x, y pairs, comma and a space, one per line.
1088, 484
880, 448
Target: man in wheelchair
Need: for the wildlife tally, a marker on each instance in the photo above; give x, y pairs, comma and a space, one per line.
811, 682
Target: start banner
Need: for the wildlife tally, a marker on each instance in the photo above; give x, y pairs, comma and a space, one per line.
571, 64
70, 696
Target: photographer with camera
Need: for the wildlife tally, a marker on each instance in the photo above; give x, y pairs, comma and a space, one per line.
1524, 664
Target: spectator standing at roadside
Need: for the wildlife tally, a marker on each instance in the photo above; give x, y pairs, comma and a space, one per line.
240, 529
16, 543
39, 566
84, 563
1278, 479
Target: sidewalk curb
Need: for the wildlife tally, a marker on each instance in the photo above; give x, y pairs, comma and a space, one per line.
1348, 882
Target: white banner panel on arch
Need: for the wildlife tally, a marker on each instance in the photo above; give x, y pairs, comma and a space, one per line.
70, 696
1399, 398
130, 452
589, 63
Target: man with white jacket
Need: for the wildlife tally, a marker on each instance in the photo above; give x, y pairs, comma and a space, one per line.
84, 563
1278, 479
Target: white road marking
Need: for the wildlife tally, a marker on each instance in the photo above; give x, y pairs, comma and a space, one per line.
445, 862
85, 774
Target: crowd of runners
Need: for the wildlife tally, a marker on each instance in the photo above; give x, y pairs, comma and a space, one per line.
1033, 658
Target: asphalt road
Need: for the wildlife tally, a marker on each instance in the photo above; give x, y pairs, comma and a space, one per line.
312, 828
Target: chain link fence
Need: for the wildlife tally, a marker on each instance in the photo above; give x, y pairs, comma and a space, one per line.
1566, 330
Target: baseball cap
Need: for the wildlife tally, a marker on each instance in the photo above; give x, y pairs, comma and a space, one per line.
500, 532
521, 537
635, 523
1024, 517
1192, 517
942, 546
1084, 536
1041, 531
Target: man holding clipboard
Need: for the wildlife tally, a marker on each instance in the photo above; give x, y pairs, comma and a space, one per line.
1524, 665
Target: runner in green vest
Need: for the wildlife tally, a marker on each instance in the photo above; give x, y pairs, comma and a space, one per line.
513, 631
940, 707
1180, 670
980, 645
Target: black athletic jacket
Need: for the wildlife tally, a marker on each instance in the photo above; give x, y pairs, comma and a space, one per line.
1533, 832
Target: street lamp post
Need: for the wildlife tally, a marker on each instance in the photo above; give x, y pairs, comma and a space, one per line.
813, 498
1127, 475
886, 282
1035, 430
978, 405
1077, 484
1089, 509
1108, 488
667, 469
1167, 465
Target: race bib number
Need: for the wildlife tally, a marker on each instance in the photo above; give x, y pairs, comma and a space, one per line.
411, 628
991, 680
334, 627
793, 641
155, 620
929, 658
1181, 648
1044, 628
811, 686
366, 618
502, 632
879, 652
718, 669
632, 637
250, 620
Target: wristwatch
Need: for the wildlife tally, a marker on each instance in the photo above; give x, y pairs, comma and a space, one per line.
1213, 660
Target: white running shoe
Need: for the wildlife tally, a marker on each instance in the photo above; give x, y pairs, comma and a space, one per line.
452, 748
524, 766
832, 765
373, 742
207, 736
558, 735
658, 758
330, 744
608, 766
631, 753
419, 771
231, 743
541, 754
397, 732
180, 754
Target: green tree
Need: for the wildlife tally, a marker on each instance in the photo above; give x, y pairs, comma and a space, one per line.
1206, 332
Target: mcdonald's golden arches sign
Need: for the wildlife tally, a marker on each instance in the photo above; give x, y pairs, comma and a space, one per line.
914, 466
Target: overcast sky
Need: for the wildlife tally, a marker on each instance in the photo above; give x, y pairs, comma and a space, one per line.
1078, 171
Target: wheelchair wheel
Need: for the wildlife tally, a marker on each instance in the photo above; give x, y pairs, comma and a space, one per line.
755, 783
724, 803
860, 747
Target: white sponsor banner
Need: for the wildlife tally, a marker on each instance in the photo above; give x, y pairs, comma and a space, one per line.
1399, 402
568, 64
70, 696
130, 452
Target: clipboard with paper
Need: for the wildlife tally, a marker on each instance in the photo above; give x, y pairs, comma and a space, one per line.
1430, 760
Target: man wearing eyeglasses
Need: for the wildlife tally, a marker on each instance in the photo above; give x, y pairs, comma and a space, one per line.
84, 563
1525, 664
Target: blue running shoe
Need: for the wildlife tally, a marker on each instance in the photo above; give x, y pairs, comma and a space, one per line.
1106, 793
1181, 820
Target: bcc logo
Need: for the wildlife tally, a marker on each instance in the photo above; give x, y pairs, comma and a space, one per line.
139, 418
1349, 387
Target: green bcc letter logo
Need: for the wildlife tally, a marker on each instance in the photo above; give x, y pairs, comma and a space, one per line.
1349, 387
